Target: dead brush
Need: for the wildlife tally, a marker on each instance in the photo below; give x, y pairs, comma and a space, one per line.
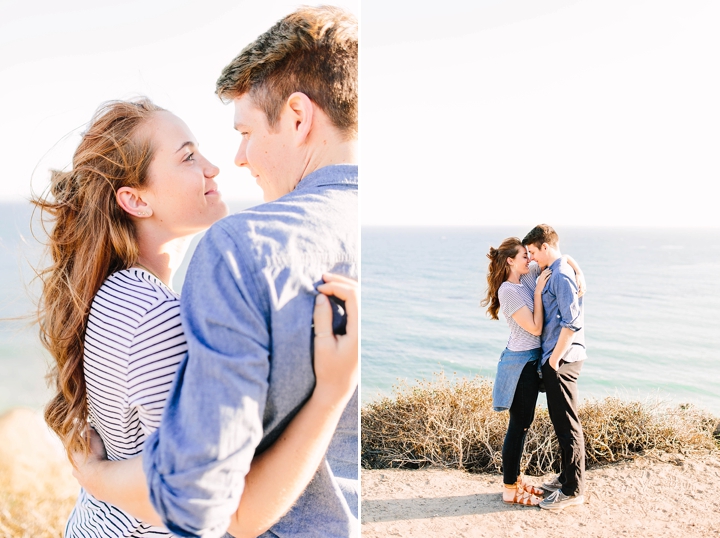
36, 510
37, 489
451, 424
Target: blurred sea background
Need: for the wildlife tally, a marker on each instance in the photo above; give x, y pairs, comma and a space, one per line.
23, 360
652, 309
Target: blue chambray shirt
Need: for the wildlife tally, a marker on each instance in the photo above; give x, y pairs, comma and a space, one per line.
562, 308
247, 307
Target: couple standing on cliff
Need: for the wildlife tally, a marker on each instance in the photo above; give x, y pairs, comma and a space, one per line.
539, 291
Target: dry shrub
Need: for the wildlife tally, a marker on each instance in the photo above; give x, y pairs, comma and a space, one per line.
452, 424
35, 512
37, 489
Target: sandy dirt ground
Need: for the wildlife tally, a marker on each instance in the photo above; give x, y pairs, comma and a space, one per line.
37, 490
664, 495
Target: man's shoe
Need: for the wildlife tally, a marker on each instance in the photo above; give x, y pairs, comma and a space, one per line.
552, 485
557, 501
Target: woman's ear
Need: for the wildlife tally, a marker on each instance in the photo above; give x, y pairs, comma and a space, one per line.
131, 201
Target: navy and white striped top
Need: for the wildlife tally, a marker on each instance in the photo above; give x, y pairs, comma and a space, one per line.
133, 346
512, 298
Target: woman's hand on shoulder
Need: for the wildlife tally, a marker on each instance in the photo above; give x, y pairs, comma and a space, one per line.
336, 356
581, 284
579, 275
542, 280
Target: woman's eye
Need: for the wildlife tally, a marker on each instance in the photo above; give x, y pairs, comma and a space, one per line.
190, 157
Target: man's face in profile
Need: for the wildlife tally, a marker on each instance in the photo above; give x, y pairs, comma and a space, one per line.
266, 152
539, 254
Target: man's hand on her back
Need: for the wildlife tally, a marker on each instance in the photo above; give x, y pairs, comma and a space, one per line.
85, 466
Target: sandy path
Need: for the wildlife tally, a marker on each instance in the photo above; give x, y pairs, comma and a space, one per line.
664, 495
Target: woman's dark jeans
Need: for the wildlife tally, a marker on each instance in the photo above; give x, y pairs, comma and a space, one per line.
522, 413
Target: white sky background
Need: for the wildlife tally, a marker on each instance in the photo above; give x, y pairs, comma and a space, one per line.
572, 112
60, 59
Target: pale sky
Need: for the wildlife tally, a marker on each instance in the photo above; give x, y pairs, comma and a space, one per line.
60, 60
472, 112
570, 112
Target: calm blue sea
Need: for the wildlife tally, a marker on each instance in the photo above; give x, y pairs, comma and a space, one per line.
652, 309
23, 361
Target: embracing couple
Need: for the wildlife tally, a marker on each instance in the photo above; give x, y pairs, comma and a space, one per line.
539, 291
233, 409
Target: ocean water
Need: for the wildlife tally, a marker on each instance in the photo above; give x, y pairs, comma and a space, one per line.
23, 361
652, 309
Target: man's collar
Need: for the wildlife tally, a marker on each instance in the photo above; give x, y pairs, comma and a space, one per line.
556, 263
334, 174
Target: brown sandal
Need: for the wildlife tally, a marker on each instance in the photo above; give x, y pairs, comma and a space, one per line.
523, 498
529, 488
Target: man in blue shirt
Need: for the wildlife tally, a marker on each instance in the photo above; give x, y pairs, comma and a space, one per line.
249, 291
563, 348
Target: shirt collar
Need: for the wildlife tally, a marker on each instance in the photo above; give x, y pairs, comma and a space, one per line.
334, 174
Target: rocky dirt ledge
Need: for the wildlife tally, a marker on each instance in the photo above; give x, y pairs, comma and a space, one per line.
660, 495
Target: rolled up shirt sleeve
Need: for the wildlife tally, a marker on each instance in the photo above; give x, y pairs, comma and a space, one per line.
197, 460
566, 291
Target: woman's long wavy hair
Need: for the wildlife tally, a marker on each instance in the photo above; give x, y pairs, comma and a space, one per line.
498, 272
89, 237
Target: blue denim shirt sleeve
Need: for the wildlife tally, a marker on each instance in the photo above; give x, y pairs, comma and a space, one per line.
197, 460
566, 292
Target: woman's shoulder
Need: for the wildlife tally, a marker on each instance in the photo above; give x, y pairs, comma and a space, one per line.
507, 290
504, 287
127, 305
135, 291
139, 279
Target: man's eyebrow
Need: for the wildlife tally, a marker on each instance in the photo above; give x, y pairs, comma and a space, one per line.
185, 144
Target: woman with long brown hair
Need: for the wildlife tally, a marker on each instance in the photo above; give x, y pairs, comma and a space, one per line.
515, 286
120, 222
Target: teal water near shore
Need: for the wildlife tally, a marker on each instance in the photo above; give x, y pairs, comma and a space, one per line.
23, 361
652, 309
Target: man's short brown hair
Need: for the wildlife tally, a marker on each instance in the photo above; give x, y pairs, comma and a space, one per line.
542, 233
314, 51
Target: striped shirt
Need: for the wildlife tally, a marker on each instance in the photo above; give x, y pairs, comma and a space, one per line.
134, 343
512, 298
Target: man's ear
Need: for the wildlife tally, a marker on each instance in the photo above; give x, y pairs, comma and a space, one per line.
301, 111
131, 201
